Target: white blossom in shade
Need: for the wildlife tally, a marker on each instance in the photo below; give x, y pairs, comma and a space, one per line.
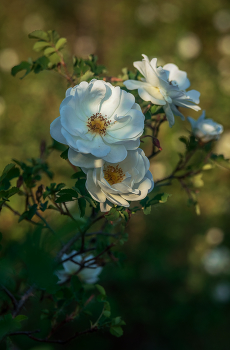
129, 180
165, 87
205, 129
87, 274
99, 122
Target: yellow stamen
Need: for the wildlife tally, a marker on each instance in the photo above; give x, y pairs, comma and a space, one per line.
98, 124
113, 175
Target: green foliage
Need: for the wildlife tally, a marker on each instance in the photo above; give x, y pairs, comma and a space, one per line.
9, 324
147, 202
87, 68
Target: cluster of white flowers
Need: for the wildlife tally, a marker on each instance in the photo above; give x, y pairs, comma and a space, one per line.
102, 126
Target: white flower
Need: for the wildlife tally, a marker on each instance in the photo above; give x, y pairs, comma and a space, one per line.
205, 129
164, 86
87, 274
129, 180
99, 122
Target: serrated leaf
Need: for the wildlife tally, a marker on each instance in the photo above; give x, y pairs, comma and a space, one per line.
60, 43
39, 34
20, 67
64, 198
82, 206
64, 155
40, 45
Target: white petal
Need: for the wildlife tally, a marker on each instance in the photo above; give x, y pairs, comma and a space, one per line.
135, 84
150, 74
55, 131
84, 160
169, 115
93, 189
96, 147
71, 122
140, 65
192, 122
149, 95
116, 199
62, 275
92, 97
131, 130
106, 206
194, 95
176, 111
131, 145
127, 100
117, 154
177, 75
143, 186
111, 101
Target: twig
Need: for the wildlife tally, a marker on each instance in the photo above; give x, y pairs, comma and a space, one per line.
10, 295
22, 301
24, 332
18, 214
45, 222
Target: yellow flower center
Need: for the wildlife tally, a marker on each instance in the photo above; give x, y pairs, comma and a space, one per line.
98, 124
113, 175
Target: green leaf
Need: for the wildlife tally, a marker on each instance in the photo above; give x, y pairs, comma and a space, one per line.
20, 318
39, 34
116, 330
82, 206
147, 210
20, 67
112, 215
100, 289
87, 76
78, 175
49, 51
8, 325
107, 313
64, 155
60, 43
54, 58
69, 191
40, 45
64, 198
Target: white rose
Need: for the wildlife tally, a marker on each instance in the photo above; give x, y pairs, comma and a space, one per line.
99, 122
164, 86
129, 180
87, 274
205, 129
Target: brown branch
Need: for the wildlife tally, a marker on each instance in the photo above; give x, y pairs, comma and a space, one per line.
10, 295
22, 301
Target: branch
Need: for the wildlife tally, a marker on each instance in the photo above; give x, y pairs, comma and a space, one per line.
10, 295
22, 301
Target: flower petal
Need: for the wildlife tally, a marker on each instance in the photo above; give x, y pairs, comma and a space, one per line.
149, 95
135, 84
111, 101
143, 187
117, 154
169, 114
194, 95
92, 97
106, 206
177, 75
96, 147
84, 160
55, 131
93, 189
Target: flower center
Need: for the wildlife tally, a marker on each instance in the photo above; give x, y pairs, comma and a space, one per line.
98, 124
113, 175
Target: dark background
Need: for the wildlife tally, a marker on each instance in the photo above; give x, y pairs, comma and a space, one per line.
174, 288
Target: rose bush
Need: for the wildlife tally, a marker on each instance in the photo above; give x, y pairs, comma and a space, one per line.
205, 129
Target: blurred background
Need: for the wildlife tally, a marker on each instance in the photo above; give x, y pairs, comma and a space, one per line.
174, 288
